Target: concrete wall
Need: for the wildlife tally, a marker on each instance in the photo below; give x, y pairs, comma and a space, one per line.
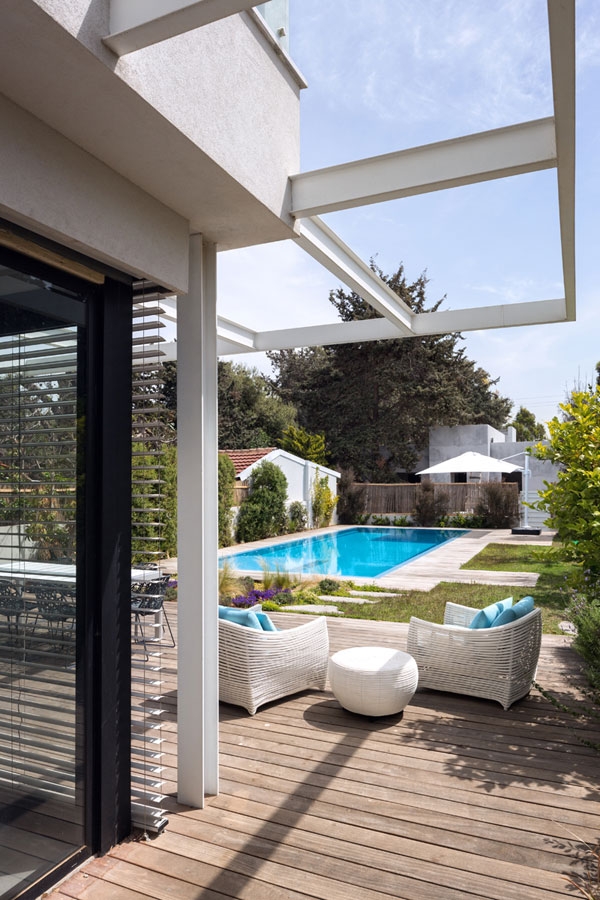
446, 442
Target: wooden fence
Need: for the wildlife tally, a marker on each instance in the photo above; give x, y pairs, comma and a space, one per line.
400, 499
240, 492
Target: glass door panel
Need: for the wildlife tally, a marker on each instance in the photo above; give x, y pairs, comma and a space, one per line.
42, 811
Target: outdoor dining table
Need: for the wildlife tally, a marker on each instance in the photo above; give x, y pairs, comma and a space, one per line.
63, 573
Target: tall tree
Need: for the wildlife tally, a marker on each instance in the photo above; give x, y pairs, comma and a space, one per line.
528, 429
375, 401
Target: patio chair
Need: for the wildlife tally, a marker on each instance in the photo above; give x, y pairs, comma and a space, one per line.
256, 667
496, 663
147, 599
12, 605
56, 606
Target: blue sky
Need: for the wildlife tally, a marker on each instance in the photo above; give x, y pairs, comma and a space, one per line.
384, 75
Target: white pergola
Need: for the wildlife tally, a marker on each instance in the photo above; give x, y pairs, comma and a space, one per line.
514, 150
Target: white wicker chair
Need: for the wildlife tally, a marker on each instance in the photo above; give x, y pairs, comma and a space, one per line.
258, 666
494, 663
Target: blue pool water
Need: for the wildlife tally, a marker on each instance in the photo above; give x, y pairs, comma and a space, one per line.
351, 552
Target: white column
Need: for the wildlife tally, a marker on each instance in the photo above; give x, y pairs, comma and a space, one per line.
197, 440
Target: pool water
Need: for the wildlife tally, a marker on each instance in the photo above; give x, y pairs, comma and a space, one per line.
365, 552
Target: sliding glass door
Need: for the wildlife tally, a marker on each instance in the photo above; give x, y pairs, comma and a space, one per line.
42, 794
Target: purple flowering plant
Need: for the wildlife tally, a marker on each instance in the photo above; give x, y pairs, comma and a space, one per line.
257, 596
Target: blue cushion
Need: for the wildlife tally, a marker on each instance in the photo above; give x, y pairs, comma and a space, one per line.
265, 621
486, 617
520, 609
240, 616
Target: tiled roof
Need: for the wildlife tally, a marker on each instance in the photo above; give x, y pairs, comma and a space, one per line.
241, 459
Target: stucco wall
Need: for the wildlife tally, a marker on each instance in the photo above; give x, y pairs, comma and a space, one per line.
222, 85
53, 187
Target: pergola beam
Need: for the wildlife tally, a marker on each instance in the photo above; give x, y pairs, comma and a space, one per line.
507, 315
561, 23
527, 147
327, 248
135, 24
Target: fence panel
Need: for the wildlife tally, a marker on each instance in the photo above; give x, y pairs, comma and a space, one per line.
400, 499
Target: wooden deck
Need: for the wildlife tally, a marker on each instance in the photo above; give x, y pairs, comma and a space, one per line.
456, 799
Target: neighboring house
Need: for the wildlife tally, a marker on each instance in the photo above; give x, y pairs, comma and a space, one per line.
445, 442
300, 473
137, 141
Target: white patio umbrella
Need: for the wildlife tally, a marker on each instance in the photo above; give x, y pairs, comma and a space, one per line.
470, 462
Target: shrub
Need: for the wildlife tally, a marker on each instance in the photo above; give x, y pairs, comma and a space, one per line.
262, 513
498, 507
297, 518
226, 486
323, 501
270, 606
573, 500
401, 522
352, 498
329, 586
462, 520
430, 506
584, 613
380, 520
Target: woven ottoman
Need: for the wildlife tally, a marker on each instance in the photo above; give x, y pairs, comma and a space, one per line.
373, 681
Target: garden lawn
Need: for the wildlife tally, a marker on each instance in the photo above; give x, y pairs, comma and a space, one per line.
550, 593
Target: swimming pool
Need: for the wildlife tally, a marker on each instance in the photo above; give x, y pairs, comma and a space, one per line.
362, 552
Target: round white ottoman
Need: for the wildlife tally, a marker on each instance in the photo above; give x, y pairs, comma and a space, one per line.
373, 681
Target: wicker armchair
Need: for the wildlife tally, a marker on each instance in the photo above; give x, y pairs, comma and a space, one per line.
258, 666
494, 663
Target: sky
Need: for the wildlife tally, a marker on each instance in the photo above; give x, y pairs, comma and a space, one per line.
385, 75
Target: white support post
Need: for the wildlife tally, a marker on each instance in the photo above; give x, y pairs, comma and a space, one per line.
198, 694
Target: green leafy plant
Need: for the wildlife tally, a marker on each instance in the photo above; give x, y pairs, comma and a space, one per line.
297, 518
329, 586
323, 501
380, 520
573, 500
263, 513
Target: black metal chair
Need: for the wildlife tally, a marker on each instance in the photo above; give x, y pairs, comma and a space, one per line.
57, 607
12, 605
147, 599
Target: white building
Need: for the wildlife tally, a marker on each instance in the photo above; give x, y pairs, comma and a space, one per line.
301, 474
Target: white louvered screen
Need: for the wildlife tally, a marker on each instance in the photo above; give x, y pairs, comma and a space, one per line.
150, 431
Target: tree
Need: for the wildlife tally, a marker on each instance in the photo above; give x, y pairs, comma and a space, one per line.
573, 500
304, 444
527, 427
263, 512
250, 414
375, 401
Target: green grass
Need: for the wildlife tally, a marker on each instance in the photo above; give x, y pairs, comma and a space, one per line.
550, 593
